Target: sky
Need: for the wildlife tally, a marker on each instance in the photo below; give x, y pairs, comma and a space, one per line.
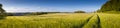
51, 5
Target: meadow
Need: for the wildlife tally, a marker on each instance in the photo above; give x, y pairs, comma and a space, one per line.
63, 20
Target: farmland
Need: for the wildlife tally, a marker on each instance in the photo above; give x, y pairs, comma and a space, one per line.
63, 20
110, 20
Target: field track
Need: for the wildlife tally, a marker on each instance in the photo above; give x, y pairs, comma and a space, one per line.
89, 20
82, 25
98, 22
82, 20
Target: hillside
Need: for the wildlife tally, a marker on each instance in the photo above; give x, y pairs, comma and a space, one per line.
111, 6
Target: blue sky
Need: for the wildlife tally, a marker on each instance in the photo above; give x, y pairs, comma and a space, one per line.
51, 5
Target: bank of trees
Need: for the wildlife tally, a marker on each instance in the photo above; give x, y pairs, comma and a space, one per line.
111, 6
79, 11
2, 12
29, 13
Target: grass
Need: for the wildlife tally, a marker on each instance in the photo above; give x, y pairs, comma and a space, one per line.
110, 20
75, 20
45, 21
94, 22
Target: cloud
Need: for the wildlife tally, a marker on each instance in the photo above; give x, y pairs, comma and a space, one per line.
28, 9
17, 9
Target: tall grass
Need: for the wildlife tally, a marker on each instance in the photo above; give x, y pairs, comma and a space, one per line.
77, 20
45, 21
110, 20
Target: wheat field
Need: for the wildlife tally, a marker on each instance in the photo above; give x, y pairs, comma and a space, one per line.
63, 20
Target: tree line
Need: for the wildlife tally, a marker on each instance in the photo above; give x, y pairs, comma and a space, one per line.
3, 13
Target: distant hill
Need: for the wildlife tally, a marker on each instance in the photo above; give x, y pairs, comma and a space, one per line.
111, 6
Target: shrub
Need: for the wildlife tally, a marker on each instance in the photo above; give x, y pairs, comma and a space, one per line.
2, 12
79, 12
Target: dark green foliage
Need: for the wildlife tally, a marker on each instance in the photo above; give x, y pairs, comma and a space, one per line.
37, 13
2, 12
29, 13
79, 12
111, 5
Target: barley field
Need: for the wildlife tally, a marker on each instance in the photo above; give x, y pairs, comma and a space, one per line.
63, 20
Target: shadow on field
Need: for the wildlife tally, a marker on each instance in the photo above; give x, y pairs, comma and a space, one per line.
81, 25
98, 22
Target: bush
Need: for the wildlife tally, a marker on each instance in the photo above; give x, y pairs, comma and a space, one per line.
2, 12
79, 12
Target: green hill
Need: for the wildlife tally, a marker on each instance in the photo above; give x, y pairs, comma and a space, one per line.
110, 6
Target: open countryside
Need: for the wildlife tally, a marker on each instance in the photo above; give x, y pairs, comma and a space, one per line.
78, 20
108, 16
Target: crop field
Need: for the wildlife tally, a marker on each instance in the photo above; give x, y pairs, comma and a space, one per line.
63, 20
110, 20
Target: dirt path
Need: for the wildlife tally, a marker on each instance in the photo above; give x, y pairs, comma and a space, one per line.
82, 25
89, 23
98, 22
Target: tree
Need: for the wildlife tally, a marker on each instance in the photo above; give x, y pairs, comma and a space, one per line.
2, 12
79, 12
111, 5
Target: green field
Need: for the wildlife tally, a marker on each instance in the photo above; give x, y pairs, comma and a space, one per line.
63, 20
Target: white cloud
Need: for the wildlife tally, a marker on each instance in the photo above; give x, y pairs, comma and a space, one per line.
28, 9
